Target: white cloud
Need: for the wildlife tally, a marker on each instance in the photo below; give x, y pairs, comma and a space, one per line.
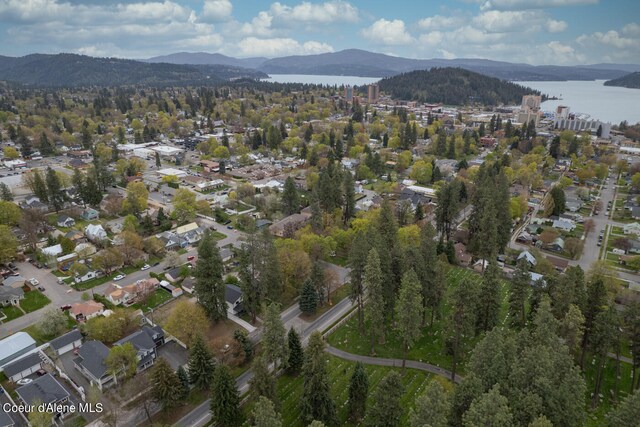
531, 4
306, 12
554, 26
253, 46
259, 26
517, 21
439, 22
631, 29
610, 38
559, 53
217, 10
388, 32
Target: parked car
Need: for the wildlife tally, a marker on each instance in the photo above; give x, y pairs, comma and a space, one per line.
33, 281
118, 277
191, 258
155, 263
229, 227
25, 381
145, 267
41, 372
65, 307
41, 288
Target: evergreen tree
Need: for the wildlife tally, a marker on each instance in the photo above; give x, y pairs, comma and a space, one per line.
264, 414
5, 192
308, 298
596, 302
263, 383
40, 187
632, 332
55, 193
464, 393
626, 414
274, 341
209, 285
201, 364
316, 277
349, 202
605, 329
386, 410
462, 319
248, 275
554, 147
559, 200
158, 162
91, 194
358, 392
46, 148
184, 383
225, 400
77, 180
441, 143
448, 206
316, 402
296, 353
520, 285
357, 262
290, 198
165, 384
490, 409
431, 273
374, 310
451, 149
419, 213
489, 299
432, 407
409, 312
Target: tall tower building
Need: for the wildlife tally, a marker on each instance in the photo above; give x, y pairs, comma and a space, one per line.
374, 93
348, 93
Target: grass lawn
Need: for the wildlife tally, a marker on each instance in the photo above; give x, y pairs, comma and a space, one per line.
430, 346
182, 251
217, 235
33, 301
595, 417
154, 300
100, 280
41, 338
11, 312
339, 373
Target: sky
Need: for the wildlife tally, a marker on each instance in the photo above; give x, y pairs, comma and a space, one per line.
561, 32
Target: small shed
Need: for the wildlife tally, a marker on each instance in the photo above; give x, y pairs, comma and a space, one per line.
23, 367
67, 342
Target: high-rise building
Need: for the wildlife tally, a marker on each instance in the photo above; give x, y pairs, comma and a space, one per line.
348, 93
531, 103
374, 93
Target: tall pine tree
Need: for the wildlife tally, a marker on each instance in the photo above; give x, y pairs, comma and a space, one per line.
209, 285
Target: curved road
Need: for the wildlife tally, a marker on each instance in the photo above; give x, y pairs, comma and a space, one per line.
397, 363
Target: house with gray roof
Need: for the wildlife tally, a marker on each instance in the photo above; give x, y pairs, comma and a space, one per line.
91, 363
23, 367
14, 346
67, 342
5, 419
45, 389
10, 296
233, 297
145, 341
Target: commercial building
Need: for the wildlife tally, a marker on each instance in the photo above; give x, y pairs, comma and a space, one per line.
373, 93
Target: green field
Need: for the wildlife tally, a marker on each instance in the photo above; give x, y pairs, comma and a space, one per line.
595, 417
429, 348
290, 390
154, 300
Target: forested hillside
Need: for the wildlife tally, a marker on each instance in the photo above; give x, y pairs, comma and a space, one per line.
453, 86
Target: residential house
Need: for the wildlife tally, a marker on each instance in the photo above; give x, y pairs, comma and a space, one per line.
85, 249
226, 254
46, 389
524, 237
560, 264
209, 166
233, 297
173, 275
564, 225
52, 251
145, 341
209, 185
14, 282
573, 205
189, 233
14, 346
91, 363
5, 419
77, 164
66, 221
95, 232
23, 367
262, 223
90, 214
528, 256
83, 311
632, 228
75, 236
67, 342
634, 246
130, 294
462, 256
557, 245
188, 284
289, 224
10, 296
174, 291
33, 202
170, 240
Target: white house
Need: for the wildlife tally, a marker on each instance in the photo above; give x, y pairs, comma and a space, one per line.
632, 228
563, 224
95, 232
52, 251
528, 256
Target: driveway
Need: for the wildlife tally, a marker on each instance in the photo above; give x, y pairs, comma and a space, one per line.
174, 354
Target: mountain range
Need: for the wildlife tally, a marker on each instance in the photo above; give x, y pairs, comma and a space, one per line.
631, 81
356, 62
67, 69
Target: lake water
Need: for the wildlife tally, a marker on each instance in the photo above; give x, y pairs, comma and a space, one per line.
322, 80
605, 103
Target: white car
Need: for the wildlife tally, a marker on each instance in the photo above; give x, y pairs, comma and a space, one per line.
34, 281
145, 267
25, 381
118, 277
